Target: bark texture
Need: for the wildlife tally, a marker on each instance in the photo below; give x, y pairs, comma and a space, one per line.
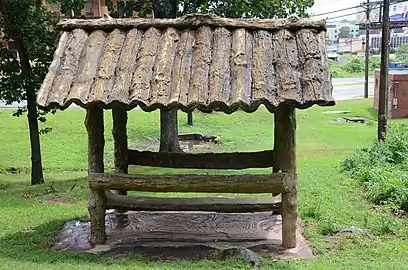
203, 68
36, 160
119, 116
222, 205
169, 131
195, 21
243, 160
190, 119
246, 183
97, 198
285, 161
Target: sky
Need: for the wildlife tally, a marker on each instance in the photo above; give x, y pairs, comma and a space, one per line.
322, 6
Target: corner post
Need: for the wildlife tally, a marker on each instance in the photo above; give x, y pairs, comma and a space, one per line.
119, 116
285, 161
97, 198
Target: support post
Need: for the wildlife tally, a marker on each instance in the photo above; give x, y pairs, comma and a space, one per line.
383, 91
285, 161
367, 49
97, 198
119, 116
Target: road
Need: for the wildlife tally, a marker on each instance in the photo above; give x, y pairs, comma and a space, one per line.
351, 88
343, 89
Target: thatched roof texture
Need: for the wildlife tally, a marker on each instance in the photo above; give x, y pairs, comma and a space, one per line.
195, 62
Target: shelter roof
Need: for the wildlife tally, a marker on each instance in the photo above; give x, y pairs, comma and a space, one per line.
199, 62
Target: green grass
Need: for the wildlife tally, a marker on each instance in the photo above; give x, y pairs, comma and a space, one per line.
355, 74
328, 200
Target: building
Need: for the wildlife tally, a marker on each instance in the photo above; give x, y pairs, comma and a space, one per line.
396, 39
350, 45
333, 31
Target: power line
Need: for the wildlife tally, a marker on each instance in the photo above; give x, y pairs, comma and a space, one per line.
345, 15
330, 12
354, 13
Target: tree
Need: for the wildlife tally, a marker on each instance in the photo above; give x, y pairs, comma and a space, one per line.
401, 54
398, 30
248, 9
227, 8
71, 8
345, 32
31, 28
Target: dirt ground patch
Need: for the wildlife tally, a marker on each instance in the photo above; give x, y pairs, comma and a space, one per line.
61, 199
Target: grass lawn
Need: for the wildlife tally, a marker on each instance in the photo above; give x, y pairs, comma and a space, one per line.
328, 201
355, 74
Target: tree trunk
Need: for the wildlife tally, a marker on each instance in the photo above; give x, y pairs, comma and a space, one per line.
169, 131
36, 164
190, 118
168, 118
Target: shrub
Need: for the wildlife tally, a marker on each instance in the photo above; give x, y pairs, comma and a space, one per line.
354, 65
374, 62
338, 72
382, 169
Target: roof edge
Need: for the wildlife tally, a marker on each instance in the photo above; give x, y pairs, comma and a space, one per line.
212, 107
193, 21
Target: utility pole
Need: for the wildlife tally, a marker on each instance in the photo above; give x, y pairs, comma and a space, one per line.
368, 6
367, 49
383, 95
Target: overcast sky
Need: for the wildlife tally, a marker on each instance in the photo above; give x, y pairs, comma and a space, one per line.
322, 6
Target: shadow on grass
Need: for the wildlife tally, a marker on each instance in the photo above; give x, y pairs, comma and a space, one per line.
76, 187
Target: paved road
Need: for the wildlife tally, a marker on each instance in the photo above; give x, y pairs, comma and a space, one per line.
351, 88
346, 81
343, 89
3, 105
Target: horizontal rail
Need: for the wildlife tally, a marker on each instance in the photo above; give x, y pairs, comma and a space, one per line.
221, 205
239, 160
246, 183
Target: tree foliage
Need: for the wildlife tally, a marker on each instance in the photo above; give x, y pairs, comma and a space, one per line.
71, 8
127, 8
30, 25
345, 32
247, 8
401, 53
226, 8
